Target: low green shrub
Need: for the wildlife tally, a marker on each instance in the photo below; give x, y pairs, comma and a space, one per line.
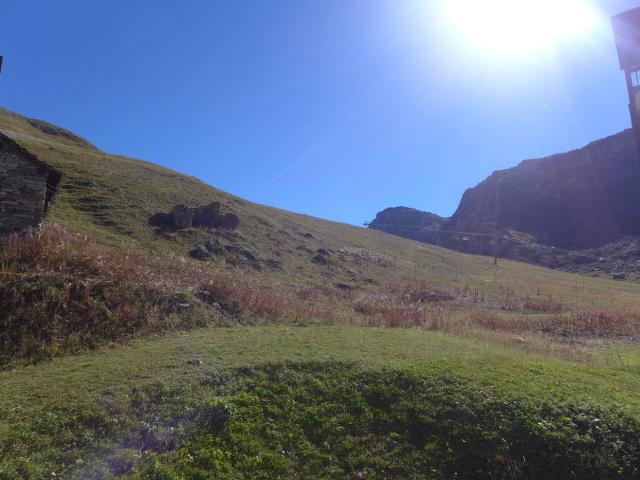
333, 421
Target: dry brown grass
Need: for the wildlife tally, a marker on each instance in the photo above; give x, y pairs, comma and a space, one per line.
61, 292
605, 323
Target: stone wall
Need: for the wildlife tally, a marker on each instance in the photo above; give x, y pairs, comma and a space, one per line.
23, 187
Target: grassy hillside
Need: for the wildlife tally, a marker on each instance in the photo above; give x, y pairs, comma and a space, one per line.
274, 366
110, 198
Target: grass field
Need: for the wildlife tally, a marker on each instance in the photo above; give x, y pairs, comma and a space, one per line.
123, 357
90, 415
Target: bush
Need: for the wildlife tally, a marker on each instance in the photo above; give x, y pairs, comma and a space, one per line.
334, 421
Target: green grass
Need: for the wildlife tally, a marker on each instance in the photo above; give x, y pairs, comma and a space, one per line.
81, 414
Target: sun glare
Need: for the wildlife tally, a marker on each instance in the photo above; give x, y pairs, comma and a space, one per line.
520, 26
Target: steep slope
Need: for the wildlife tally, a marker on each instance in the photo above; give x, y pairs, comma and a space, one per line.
277, 266
110, 198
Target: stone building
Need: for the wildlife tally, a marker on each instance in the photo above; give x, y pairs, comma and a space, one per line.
27, 187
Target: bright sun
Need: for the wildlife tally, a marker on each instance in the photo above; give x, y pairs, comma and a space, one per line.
521, 26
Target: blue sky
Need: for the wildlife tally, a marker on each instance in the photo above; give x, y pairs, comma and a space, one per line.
334, 108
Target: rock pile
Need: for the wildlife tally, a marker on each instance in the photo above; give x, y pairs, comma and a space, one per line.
205, 250
206, 216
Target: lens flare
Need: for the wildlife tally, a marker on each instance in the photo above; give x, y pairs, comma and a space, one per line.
520, 26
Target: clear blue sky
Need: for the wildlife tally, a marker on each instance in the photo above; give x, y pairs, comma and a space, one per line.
335, 108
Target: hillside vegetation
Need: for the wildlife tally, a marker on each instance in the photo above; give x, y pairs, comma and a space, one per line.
265, 359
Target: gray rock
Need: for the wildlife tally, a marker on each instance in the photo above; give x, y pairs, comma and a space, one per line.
207, 216
161, 220
182, 216
319, 259
275, 264
212, 245
242, 251
200, 252
230, 221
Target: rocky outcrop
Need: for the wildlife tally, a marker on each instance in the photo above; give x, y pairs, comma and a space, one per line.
586, 198
409, 223
182, 216
230, 221
206, 216
582, 199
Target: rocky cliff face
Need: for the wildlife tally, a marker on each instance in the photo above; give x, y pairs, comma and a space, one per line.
581, 199
410, 223
577, 200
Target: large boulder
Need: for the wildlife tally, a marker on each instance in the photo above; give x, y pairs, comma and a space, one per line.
230, 221
161, 220
182, 216
207, 216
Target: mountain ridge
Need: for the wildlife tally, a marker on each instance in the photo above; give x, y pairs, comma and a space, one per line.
583, 199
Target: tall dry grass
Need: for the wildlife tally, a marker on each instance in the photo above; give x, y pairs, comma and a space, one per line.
61, 293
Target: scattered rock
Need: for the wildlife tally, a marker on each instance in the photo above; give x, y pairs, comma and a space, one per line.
275, 264
320, 259
344, 287
205, 250
212, 245
242, 251
200, 252
323, 251
619, 276
218, 300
